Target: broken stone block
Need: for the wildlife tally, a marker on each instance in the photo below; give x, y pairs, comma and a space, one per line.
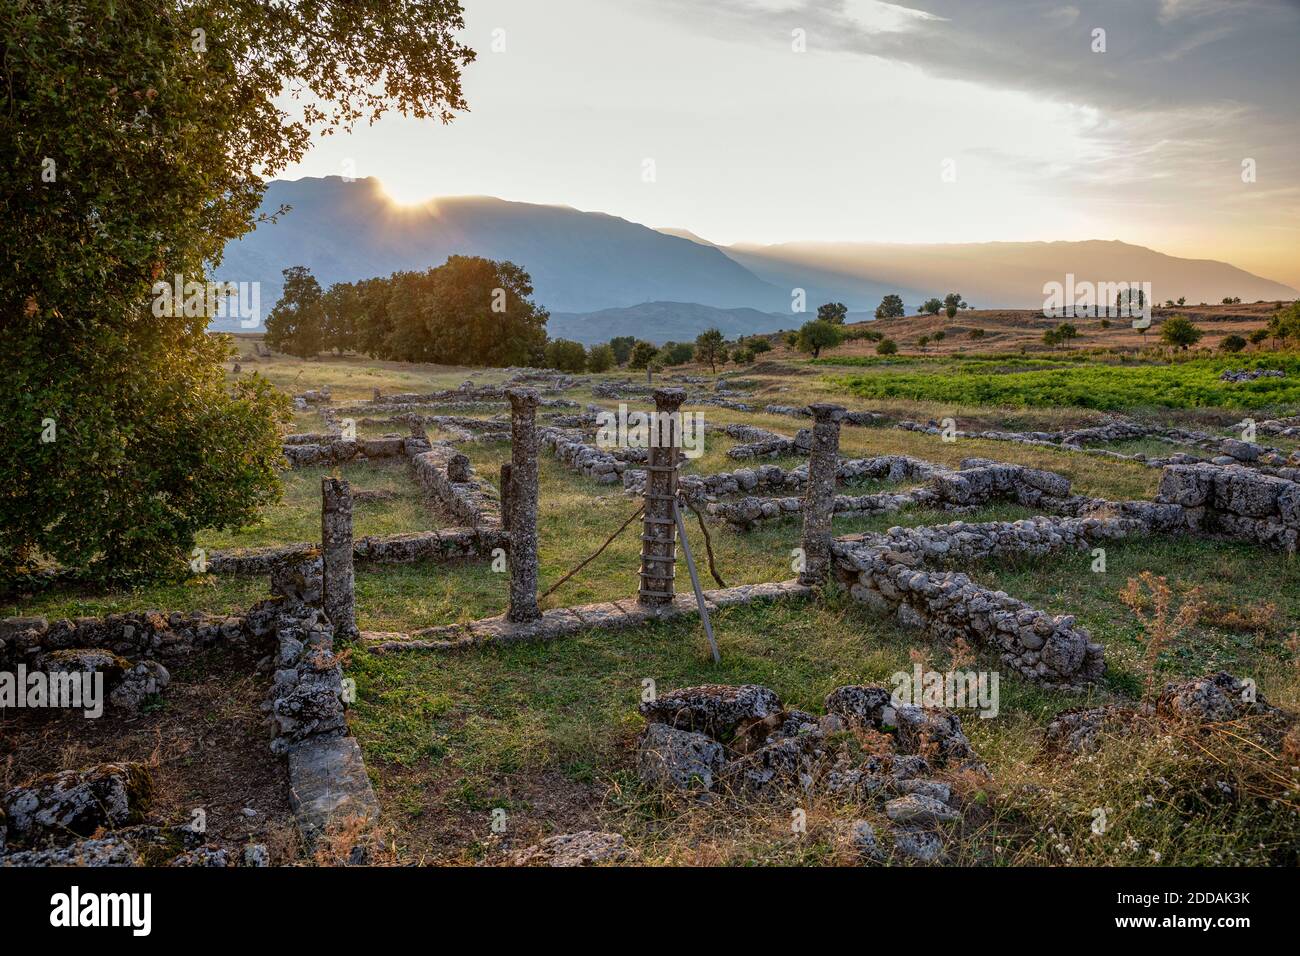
678, 759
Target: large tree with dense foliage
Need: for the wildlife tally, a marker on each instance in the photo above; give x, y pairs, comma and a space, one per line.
138, 139
297, 323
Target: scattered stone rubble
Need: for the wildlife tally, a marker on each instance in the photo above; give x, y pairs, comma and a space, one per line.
1212, 699
1250, 375
717, 741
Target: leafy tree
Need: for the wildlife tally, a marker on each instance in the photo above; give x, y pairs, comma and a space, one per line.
817, 335
342, 315
1232, 343
566, 355
1258, 336
922, 342
791, 339
977, 333
295, 324
886, 347
743, 355
940, 335
759, 344
622, 348
832, 312
931, 306
952, 302
891, 307
673, 354
710, 348
1180, 331
1061, 335
600, 358
643, 353
136, 149
1285, 324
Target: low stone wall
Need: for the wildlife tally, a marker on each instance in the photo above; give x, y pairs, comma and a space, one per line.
135, 635
978, 482
887, 571
447, 475
333, 450
447, 544
572, 450
759, 443
1235, 502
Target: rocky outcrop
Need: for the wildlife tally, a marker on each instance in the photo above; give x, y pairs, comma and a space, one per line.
77, 802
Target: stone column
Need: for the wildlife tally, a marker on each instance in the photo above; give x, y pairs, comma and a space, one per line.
819, 498
338, 578
522, 497
505, 496
659, 531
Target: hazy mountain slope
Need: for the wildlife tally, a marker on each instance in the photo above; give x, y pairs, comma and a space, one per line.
578, 261
660, 322
994, 274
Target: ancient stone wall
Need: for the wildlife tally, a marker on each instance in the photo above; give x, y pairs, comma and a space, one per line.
1235, 502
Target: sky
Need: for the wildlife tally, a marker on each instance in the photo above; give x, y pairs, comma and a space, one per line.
766, 121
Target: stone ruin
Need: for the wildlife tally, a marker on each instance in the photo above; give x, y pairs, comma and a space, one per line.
60, 818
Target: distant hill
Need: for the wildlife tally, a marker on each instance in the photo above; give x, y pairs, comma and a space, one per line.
579, 261
991, 274
600, 275
660, 322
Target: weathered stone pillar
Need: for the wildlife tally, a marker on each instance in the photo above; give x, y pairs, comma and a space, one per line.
505, 496
523, 505
819, 498
659, 531
338, 578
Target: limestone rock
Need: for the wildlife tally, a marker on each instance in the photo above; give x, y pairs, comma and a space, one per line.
678, 759
78, 802
919, 808
712, 709
109, 851
860, 705
584, 848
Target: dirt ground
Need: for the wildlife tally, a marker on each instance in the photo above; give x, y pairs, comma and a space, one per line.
206, 741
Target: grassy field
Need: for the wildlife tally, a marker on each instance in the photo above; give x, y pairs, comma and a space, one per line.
546, 731
1019, 383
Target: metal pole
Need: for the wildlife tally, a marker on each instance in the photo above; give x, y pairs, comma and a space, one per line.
695, 582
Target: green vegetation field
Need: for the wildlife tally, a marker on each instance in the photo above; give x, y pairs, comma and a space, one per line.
1109, 387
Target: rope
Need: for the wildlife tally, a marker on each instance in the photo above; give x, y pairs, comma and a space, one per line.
586, 561
708, 542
